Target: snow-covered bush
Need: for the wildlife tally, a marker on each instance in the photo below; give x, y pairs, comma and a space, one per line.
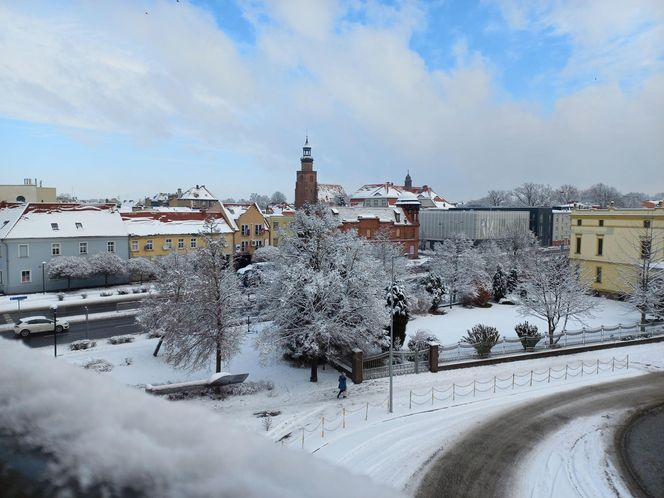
144, 290
482, 298
98, 365
82, 344
61, 296
105, 294
135, 290
483, 338
123, 292
421, 340
528, 334
84, 295
419, 300
121, 339
245, 388
499, 284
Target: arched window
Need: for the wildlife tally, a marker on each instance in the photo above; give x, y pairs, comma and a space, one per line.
20, 198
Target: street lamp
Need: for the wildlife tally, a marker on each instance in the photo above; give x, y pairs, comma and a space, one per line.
54, 309
43, 277
86, 322
249, 308
391, 332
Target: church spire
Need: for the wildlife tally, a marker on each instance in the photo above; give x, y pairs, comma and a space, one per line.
408, 183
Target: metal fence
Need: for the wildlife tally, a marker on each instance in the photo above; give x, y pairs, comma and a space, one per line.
404, 362
566, 338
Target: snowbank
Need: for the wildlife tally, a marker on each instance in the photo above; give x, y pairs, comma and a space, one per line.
100, 431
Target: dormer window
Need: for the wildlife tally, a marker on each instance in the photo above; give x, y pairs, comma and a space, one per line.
397, 216
54, 226
79, 225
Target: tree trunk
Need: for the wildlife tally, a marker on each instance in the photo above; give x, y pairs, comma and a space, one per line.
156, 350
218, 358
68, 283
105, 279
314, 371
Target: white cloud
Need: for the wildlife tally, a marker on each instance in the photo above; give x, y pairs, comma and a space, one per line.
372, 106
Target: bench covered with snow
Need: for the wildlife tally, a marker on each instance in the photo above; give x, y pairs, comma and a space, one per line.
217, 380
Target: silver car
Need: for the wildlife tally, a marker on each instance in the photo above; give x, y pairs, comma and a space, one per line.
36, 324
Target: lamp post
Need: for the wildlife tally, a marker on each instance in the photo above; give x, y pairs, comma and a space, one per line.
43, 277
86, 322
391, 333
54, 309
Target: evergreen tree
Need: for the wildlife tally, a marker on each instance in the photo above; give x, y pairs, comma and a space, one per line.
433, 284
512, 281
397, 302
499, 284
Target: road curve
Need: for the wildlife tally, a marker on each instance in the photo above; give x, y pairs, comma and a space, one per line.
482, 464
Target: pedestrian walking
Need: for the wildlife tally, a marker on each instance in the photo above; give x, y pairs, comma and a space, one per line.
342, 385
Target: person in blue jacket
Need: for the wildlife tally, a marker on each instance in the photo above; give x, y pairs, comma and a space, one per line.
342, 385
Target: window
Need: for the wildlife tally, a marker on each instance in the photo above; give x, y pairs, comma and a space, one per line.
23, 251
245, 230
20, 198
54, 226
82, 247
55, 249
192, 243
578, 223
578, 245
646, 223
134, 245
275, 225
168, 244
0, 277
110, 246
26, 276
601, 223
79, 225
645, 249
258, 229
148, 245
598, 274
397, 216
180, 243
600, 246
244, 246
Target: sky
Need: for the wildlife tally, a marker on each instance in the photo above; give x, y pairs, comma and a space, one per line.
130, 98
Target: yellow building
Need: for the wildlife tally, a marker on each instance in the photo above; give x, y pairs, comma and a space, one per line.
279, 217
253, 229
30, 191
153, 234
611, 244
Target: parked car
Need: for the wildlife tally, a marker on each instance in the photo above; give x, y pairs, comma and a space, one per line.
36, 324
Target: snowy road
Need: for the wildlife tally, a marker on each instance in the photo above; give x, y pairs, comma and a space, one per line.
531, 450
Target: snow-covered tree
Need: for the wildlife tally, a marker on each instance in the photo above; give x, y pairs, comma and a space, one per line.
421, 340
397, 303
107, 264
325, 293
390, 254
603, 195
495, 198
277, 198
512, 281
261, 200
68, 267
265, 253
644, 273
499, 284
519, 244
533, 195
554, 291
142, 267
567, 194
198, 307
434, 285
460, 266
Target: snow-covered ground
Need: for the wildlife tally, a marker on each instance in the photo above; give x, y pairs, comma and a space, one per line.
449, 328
72, 298
358, 432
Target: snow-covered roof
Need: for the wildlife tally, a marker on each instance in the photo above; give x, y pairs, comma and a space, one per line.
53, 220
160, 197
197, 193
383, 214
386, 190
408, 198
161, 224
282, 209
329, 192
9, 215
237, 210
174, 209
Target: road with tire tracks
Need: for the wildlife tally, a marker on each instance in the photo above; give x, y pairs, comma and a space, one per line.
485, 461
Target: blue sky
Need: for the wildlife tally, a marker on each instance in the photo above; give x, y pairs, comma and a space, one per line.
102, 99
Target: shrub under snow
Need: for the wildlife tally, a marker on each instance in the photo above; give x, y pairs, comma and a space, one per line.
82, 344
98, 365
121, 339
483, 338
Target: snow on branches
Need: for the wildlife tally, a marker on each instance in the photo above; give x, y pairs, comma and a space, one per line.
68, 267
324, 293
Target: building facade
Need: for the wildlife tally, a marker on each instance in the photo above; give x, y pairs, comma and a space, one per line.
34, 234
562, 228
279, 218
306, 183
610, 245
253, 228
437, 225
31, 191
153, 234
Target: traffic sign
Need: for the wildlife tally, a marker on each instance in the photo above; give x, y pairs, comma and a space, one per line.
18, 298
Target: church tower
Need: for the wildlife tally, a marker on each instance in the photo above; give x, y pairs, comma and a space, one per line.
409, 182
306, 184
